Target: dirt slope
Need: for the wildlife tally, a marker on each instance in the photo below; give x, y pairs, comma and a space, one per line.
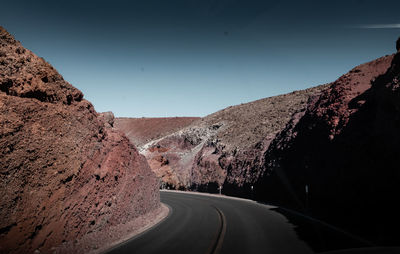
65, 172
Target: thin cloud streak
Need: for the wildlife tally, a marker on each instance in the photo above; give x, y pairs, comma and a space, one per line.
381, 26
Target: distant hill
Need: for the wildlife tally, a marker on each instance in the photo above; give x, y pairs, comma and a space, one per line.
143, 130
226, 146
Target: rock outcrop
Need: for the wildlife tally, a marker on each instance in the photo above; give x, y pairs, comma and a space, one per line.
65, 172
344, 150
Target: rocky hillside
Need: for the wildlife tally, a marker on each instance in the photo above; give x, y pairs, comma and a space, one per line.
65, 172
143, 130
225, 147
345, 149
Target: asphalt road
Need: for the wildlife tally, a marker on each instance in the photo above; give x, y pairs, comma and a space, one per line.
209, 224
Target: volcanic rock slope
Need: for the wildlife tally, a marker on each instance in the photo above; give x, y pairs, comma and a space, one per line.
345, 148
226, 147
65, 172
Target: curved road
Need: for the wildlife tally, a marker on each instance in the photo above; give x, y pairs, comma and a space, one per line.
211, 224
201, 223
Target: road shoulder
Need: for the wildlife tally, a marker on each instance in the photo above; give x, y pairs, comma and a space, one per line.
102, 242
141, 225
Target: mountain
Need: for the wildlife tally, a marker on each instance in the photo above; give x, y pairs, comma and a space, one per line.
69, 181
224, 148
345, 149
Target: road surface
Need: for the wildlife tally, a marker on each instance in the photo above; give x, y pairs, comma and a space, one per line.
210, 224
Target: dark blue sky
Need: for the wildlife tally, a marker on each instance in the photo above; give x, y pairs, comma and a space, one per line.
194, 57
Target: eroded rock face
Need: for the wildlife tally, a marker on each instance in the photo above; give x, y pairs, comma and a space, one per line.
64, 171
345, 148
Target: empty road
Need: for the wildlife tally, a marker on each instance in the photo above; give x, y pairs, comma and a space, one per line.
210, 224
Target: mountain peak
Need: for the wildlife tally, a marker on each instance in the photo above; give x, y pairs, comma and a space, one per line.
26, 75
6, 37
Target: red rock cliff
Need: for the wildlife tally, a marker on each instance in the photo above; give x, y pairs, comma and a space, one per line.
65, 172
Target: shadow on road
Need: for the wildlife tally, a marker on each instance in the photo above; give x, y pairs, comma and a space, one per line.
319, 236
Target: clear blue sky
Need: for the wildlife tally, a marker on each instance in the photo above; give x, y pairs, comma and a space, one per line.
194, 57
